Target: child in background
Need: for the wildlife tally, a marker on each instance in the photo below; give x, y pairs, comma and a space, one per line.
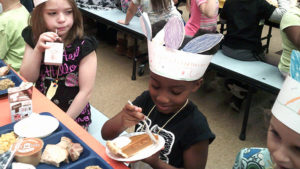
174, 76
203, 15
13, 19
244, 22
290, 34
28, 4
284, 131
73, 81
157, 10
123, 47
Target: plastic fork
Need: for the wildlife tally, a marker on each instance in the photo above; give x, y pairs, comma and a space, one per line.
147, 127
12, 154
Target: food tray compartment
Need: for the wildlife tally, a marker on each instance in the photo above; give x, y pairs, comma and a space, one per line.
3, 64
13, 78
90, 161
55, 137
5, 130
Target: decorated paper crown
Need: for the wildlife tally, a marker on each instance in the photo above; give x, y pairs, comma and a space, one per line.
166, 60
38, 2
287, 105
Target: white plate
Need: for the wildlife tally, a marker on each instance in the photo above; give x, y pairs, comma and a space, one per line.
36, 126
147, 152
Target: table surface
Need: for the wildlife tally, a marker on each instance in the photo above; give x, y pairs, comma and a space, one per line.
257, 73
112, 16
42, 104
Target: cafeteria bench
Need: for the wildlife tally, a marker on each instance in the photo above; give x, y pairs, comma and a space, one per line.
256, 74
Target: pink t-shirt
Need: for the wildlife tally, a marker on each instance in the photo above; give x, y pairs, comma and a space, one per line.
198, 20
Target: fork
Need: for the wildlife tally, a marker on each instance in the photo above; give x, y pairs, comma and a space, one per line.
148, 131
13, 151
147, 127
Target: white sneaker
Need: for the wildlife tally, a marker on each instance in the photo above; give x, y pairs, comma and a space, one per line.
237, 91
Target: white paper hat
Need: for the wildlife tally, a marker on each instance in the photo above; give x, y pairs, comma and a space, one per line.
166, 60
38, 2
287, 105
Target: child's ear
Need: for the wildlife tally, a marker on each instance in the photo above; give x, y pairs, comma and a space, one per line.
197, 84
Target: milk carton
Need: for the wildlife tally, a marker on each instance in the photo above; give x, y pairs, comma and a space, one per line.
20, 101
54, 54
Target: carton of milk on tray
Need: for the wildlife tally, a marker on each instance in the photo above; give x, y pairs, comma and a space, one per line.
54, 54
20, 101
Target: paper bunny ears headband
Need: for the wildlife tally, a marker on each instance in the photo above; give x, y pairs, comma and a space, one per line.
165, 58
287, 105
37, 2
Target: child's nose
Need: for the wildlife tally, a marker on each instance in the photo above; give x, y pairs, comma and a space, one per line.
61, 17
161, 98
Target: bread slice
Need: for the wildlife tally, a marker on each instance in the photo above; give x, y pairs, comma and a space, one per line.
65, 142
4, 70
137, 143
54, 155
74, 149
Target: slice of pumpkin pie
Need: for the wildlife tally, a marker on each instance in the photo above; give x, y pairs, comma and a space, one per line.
136, 144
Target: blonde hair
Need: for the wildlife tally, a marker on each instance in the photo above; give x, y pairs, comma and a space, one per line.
38, 23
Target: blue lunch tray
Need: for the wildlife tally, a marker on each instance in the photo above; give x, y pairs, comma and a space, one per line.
87, 158
12, 76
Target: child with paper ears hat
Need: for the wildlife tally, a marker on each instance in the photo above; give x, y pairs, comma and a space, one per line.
174, 75
69, 83
283, 141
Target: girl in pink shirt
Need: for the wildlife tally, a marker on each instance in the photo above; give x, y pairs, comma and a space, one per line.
204, 15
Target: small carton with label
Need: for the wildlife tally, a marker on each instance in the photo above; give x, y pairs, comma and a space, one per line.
54, 54
20, 101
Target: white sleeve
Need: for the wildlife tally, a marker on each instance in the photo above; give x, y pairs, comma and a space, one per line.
283, 6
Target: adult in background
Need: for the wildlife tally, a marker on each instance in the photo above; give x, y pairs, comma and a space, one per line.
13, 19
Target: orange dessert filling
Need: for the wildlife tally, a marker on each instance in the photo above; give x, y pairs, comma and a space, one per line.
137, 143
30, 151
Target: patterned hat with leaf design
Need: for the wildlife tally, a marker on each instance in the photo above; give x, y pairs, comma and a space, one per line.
168, 57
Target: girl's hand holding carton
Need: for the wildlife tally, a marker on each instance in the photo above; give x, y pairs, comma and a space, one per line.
44, 38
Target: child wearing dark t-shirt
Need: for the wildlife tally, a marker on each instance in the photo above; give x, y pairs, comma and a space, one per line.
242, 41
68, 85
244, 26
174, 76
177, 119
